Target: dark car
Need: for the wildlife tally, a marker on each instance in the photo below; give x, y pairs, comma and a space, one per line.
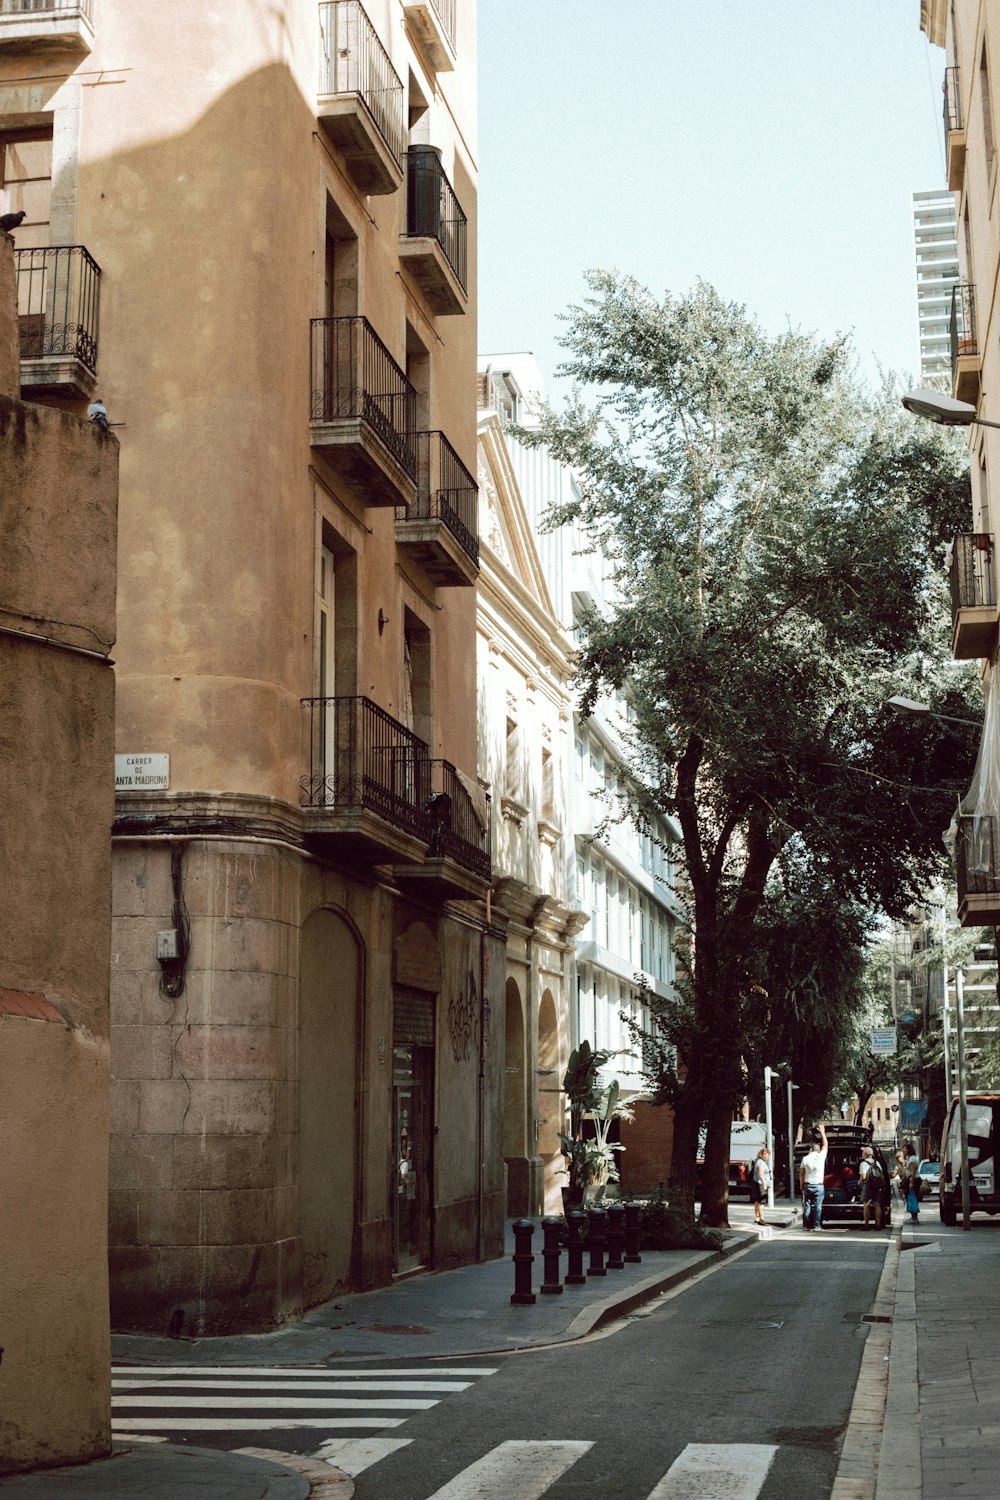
842, 1199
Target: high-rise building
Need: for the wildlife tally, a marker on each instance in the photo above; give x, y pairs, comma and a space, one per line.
251, 230
936, 254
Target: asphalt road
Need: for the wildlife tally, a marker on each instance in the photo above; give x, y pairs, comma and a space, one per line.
763, 1351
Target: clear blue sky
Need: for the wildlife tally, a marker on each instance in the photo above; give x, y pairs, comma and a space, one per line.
769, 147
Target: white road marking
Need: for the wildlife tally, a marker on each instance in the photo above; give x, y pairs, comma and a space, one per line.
354, 1455
716, 1471
513, 1471
286, 1385
244, 1424
284, 1372
273, 1403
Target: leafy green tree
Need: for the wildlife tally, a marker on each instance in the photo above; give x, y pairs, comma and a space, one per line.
767, 526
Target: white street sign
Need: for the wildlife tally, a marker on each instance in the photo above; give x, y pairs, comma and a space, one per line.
884, 1041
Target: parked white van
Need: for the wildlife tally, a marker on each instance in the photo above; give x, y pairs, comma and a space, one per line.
984, 1142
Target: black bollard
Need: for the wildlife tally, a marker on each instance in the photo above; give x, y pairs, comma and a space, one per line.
616, 1236
551, 1231
576, 1229
598, 1229
632, 1216
523, 1230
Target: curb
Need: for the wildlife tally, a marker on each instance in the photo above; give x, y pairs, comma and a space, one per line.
325, 1482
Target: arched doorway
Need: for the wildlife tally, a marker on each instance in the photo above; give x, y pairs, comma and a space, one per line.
515, 1103
329, 973
550, 1104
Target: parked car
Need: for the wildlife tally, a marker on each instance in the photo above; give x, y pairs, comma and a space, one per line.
842, 1199
929, 1173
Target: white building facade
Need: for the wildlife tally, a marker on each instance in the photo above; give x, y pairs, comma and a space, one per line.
935, 246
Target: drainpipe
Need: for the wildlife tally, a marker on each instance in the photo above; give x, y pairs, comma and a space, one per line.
480, 1121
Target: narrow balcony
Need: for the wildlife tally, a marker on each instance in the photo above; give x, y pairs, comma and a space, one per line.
363, 412
433, 24
974, 614
46, 26
361, 102
954, 129
977, 856
368, 787
58, 314
965, 358
434, 248
440, 530
458, 865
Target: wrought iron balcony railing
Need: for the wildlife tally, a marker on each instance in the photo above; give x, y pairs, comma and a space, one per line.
355, 376
977, 855
962, 326
432, 210
460, 822
952, 107
971, 572
355, 62
47, 7
58, 303
446, 492
445, 12
361, 757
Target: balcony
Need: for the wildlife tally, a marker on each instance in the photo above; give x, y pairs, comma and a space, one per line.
458, 865
954, 129
977, 847
368, 787
965, 360
434, 249
974, 613
361, 102
363, 412
433, 24
58, 308
440, 530
46, 26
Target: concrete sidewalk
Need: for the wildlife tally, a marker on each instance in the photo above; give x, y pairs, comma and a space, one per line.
926, 1416
451, 1314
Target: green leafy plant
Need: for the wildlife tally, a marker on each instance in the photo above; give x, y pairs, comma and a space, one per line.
590, 1160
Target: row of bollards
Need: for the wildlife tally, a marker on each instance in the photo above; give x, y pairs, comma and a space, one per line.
614, 1230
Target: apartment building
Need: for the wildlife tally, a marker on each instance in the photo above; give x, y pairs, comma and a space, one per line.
969, 32
58, 497
622, 881
525, 726
251, 230
935, 247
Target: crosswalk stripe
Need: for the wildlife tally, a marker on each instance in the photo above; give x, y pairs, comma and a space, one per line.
354, 1455
245, 1424
513, 1471
123, 1386
716, 1471
286, 1372
273, 1403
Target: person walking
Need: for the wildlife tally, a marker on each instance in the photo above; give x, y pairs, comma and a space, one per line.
760, 1181
871, 1196
811, 1172
911, 1191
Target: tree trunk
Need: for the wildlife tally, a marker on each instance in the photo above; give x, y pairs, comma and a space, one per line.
715, 1178
687, 1121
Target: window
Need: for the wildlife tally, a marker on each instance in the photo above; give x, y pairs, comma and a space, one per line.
512, 761
416, 696
548, 787
26, 183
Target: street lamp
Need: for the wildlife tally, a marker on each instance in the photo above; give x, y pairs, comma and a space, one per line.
911, 706
791, 1144
768, 1077
934, 406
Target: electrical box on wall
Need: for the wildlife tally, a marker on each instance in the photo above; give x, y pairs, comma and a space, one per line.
168, 944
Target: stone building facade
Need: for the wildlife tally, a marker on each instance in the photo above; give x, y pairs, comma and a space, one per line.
306, 985
58, 499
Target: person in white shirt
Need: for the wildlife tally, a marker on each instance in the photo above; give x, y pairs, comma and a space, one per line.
812, 1170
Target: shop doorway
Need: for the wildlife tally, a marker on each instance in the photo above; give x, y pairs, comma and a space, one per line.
413, 1128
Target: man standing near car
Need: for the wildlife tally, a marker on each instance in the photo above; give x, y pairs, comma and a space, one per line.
871, 1188
811, 1171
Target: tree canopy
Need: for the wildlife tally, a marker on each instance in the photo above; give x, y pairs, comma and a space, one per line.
773, 534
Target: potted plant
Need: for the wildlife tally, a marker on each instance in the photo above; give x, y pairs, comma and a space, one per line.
590, 1158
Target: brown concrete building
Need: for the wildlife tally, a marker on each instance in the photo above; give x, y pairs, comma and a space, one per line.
58, 498
251, 229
